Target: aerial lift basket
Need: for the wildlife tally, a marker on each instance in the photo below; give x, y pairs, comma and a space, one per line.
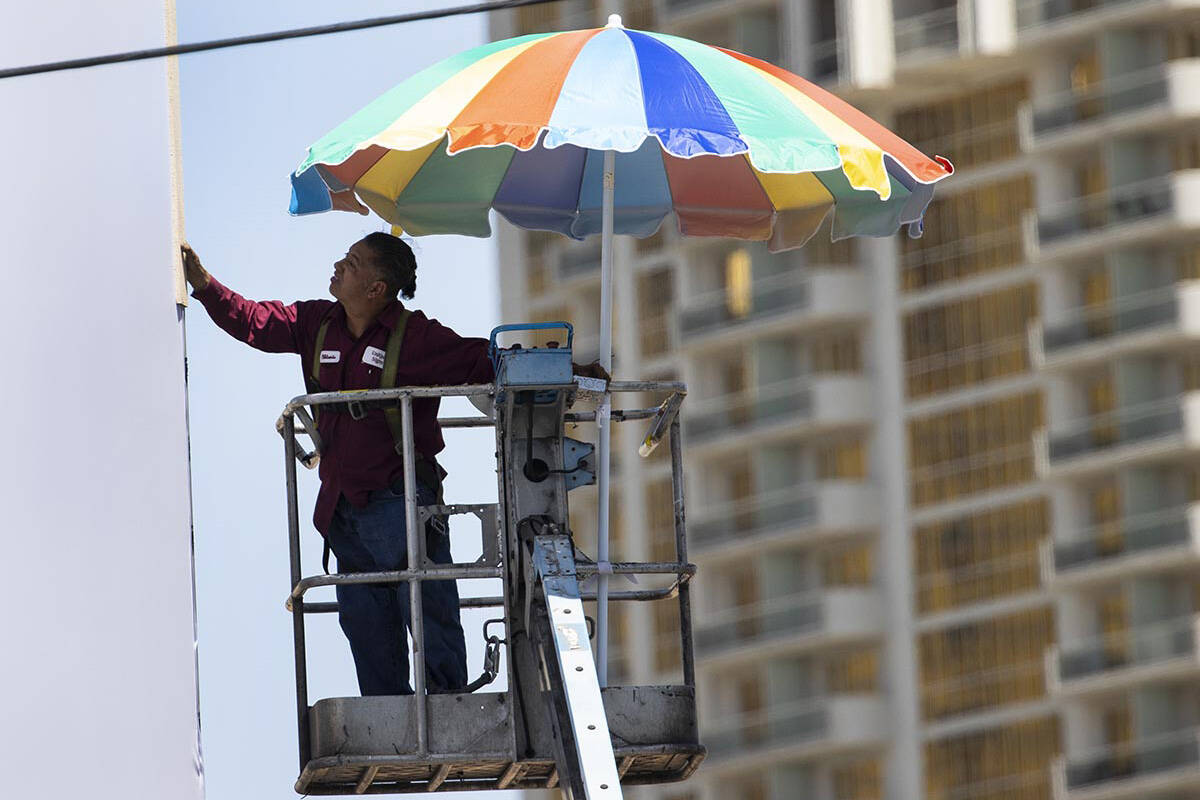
554, 726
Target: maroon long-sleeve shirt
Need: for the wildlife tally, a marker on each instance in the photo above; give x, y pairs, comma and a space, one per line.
358, 456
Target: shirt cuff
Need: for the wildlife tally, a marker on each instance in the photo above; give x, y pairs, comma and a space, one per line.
212, 290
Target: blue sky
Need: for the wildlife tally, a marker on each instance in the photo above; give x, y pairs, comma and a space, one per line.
248, 114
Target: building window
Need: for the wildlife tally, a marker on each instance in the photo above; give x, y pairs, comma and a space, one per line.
1183, 41
980, 558
660, 520
537, 262
859, 780
539, 18
978, 449
968, 342
842, 460
971, 129
738, 289
852, 566
855, 672
655, 300
985, 665
1008, 763
967, 234
1185, 151
667, 652
840, 351
639, 15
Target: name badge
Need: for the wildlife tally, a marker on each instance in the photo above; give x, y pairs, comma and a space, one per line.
374, 357
331, 356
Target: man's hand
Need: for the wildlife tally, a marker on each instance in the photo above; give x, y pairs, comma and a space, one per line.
193, 270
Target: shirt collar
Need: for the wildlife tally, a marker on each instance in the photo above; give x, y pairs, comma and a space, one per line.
388, 317
390, 314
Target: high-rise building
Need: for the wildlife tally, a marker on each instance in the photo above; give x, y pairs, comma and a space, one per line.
942, 491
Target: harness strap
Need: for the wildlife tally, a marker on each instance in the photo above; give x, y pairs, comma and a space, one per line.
426, 472
387, 379
315, 376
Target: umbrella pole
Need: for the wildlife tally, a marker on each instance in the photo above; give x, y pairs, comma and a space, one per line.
603, 414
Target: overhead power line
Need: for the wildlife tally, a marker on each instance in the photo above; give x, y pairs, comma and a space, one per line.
259, 38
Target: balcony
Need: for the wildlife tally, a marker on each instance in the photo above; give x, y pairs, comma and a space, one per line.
578, 262
787, 408
795, 623
1152, 320
796, 299
1120, 105
1156, 210
1047, 22
815, 511
1167, 765
830, 62
803, 729
924, 38
1154, 542
1160, 429
1153, 652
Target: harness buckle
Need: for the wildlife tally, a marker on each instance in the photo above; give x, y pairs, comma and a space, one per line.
355, 409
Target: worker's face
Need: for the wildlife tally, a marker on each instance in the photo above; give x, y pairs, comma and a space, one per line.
355, 278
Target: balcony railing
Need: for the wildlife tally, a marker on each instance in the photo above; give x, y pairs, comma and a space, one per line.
935, 30
745, 410
785, 616
975, 146
1131, 425
789, 724
943, 589
984, 689
1145, 644
681, 6
769, 297
925, 267
828, 60
1118, 95
1169, 752
1140, 534
578, 261
1129, 203
967, 366
745, 518
1034, 13
1128, 315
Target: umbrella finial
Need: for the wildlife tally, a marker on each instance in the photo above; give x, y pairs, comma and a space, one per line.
614, 21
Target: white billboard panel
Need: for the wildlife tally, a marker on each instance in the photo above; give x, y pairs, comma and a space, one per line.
97, 660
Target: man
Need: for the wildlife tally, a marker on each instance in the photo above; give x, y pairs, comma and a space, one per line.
360, 506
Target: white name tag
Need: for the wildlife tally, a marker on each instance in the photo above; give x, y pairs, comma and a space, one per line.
331, 356
373, 356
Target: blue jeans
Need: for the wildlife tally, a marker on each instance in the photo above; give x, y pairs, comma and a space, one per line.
374, 617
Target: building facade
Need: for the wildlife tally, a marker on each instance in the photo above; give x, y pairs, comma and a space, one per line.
942, 491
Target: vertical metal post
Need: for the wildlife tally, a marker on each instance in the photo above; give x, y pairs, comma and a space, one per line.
414, 537
293, 514
685, 598
603, 413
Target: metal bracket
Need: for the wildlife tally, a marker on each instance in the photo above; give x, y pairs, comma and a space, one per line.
575, 465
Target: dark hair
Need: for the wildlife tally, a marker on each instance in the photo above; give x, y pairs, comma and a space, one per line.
395, 261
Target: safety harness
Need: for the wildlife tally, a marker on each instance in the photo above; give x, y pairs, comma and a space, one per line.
427, 472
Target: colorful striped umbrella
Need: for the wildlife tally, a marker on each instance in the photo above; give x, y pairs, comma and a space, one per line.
609, 131
733, 145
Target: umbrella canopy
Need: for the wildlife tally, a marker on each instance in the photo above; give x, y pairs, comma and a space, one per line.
733, 145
